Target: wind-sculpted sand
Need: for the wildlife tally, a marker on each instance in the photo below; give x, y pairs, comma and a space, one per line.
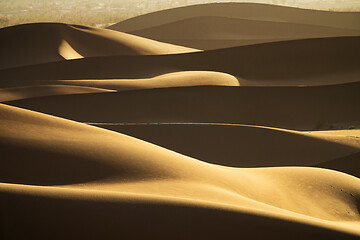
106, 135
30, 44
221, 25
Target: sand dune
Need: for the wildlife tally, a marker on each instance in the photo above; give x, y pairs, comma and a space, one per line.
227, 144
132, 172
175, 79
223, 25
347, 164
307, 108
250, 11
231, 32
47, 42
11, 94
106, 135
292, 63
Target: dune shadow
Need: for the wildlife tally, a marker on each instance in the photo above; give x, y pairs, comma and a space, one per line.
32, 166
349, 164
237, 146
132, 219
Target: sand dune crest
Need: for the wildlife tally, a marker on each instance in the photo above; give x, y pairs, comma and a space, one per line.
250, 11
48, 42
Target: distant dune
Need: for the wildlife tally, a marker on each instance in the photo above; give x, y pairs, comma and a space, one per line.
108, 135
208, 32
250, 11
221, 25
47, 42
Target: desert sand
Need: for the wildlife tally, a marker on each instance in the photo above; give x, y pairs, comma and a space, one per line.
223, 32
36, 43
105, 134
305, 62
17, 93
221, 25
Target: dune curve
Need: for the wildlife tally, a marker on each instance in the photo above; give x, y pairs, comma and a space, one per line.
161, 172
17, 93
48, 42
209, 32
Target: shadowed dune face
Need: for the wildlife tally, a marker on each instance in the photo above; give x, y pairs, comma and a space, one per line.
347, 164
300, 62
157, 219
28, 165
278, 107
115, 166
16, 93
48, 42
226, 144
63, 149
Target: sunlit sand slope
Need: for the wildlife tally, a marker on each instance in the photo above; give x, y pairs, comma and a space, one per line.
291, 63
115, 185
46, 42
175, 79
227, 144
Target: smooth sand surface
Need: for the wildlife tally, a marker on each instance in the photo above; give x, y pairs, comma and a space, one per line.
126, 172
106, 135
250, 11
348, 164
227, 144
212, 32
222, 25
301, 108
292, 63
17, 93
176, 79
47, 42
